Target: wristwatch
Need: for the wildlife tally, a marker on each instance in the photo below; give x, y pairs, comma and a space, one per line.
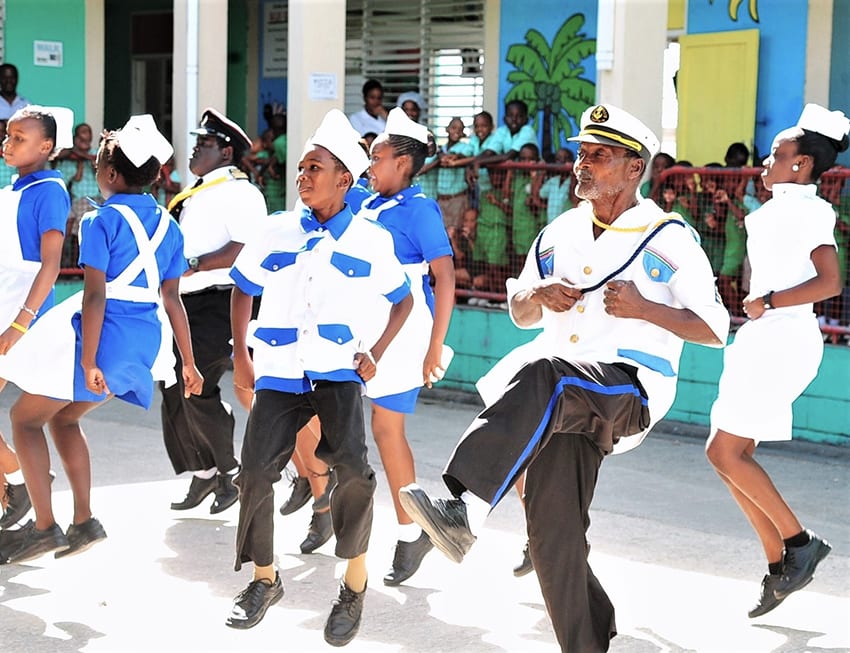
194, 262
768, 300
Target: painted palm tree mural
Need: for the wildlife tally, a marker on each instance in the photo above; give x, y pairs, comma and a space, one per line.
549, 79
734, 6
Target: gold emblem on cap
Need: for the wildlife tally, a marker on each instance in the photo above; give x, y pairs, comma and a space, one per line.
599, 114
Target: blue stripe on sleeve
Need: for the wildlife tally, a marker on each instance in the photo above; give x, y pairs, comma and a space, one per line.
399, 293
246, 286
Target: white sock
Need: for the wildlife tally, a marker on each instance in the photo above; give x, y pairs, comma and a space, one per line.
476, 510
15, 478
206, 474
409, 532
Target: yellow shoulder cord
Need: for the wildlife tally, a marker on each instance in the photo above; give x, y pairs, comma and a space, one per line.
235, 174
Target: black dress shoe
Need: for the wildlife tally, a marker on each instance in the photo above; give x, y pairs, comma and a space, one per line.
525, 567
18, 504
320, 531
199, 489
226, 493
299, 496
443, 519
36, 543
408, 556
82, 536
250, 606
798, 566
344, 619
767, 599
10, 540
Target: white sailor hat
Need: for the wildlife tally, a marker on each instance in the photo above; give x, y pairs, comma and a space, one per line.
610, 125
399, 124
832, 124
336, 135
140, 140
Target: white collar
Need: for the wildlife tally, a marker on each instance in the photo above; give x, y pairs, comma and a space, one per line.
795, 190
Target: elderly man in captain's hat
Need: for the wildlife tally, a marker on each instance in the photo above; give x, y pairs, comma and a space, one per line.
617, 286
216, 215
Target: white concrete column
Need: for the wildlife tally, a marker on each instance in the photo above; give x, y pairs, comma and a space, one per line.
818, 52
634, 37
316, 48
200, 71
95, 66
492, 56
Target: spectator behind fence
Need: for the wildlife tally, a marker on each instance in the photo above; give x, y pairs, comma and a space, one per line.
6, 171
167, 185
519, 189
453, 194
730, 214
412, 104
488, 225
77, 167
651, 187
10, 101
556, 193
373, 116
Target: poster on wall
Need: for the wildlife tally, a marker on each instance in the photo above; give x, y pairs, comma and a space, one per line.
274, 39
47, 53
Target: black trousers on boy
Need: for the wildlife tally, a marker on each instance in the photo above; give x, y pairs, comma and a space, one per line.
275, 419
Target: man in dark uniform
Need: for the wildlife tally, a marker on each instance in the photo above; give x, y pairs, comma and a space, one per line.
216, 215
617, 286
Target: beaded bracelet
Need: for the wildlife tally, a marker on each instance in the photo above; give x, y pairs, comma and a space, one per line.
27, 309
19, 327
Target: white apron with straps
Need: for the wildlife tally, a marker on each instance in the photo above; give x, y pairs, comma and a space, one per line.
43, 362
400, 368
16, 274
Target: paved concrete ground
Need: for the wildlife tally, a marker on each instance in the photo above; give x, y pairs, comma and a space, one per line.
674, 553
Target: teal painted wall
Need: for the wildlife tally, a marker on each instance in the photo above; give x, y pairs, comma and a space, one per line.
48, 20
481, 337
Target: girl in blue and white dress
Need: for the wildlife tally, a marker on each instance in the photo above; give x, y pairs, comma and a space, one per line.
132, 253
777, 353
33, 212
417, 356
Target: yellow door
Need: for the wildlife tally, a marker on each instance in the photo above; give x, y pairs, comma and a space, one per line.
716, 87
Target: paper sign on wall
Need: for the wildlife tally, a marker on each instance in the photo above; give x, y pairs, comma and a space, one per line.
47, 53
323, 86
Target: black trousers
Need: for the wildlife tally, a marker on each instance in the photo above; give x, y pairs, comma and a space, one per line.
557, 420
198, 431
275, 419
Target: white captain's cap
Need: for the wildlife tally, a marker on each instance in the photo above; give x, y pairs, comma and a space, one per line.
398, 124
140, 140
336, 135
832, 124
609, 125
